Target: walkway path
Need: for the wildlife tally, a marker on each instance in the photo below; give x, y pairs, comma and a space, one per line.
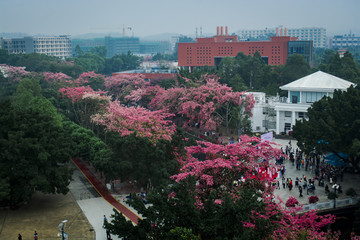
105, 193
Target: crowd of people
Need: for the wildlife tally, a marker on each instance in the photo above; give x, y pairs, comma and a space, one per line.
314, 164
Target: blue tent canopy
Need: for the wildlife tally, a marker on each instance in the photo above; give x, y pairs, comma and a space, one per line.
335, 160
336, 163
334, 157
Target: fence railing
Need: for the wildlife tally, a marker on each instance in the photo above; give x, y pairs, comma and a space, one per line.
330, 204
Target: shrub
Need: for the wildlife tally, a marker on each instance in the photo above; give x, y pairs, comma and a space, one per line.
291, 202
351, 192
313, 199
332, 195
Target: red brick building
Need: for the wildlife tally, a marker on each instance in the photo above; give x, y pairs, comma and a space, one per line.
209, 51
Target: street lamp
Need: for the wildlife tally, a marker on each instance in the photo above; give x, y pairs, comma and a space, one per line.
335, 187
61, 227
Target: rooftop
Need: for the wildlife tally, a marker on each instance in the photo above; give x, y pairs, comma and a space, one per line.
318, 81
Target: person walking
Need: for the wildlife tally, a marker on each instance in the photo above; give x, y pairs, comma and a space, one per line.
300, 191
108, 236
105, 221
19, 237
36, 236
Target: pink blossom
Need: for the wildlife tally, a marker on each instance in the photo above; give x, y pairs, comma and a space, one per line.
15, 74
143, 122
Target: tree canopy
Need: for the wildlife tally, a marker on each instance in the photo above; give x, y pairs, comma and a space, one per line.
333, 125
221, 192
35, 148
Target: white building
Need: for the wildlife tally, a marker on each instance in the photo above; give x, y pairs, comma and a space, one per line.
58, 46
301, 94
315, 34
264, 115
340, 41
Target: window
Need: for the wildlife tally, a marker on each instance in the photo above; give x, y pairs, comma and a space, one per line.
301, 114
287, 114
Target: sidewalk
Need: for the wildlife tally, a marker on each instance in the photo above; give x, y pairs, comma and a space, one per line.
105, 193
96, 204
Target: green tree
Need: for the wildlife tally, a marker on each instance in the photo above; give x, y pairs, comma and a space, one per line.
130, 61
35, 149
136, 158
333, 125
100, 50
335, 67
350, 70
91, 62
296, 67
229, 74
78, 51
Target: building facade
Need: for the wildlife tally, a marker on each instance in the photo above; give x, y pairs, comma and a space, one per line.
210, 51
344, 41
87, 44
301, 94
58, 46
315, 34
263, 113
279, 114
120, 45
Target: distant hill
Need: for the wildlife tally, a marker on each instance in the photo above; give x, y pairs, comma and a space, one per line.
157, 37
97, 35
160, 37
13, 35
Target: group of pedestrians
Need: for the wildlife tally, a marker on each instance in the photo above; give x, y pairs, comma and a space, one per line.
36, 236
299, 183
313, 164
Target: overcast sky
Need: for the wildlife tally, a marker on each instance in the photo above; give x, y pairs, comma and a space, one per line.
150, 17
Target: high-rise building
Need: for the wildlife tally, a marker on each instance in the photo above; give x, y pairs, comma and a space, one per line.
58, 46
119, 45
210, 51
122, 45
154, 47
315, 34
344, 41
87, 44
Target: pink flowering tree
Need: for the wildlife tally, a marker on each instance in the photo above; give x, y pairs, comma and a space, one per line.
92, 79
205, 102
83, 103
220, 169
223, 192
14, 74
213, 104
128, 120
145, 96
122, 85
58, 80
168, 99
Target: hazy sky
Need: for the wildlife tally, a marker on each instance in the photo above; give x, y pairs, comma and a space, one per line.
150, 17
